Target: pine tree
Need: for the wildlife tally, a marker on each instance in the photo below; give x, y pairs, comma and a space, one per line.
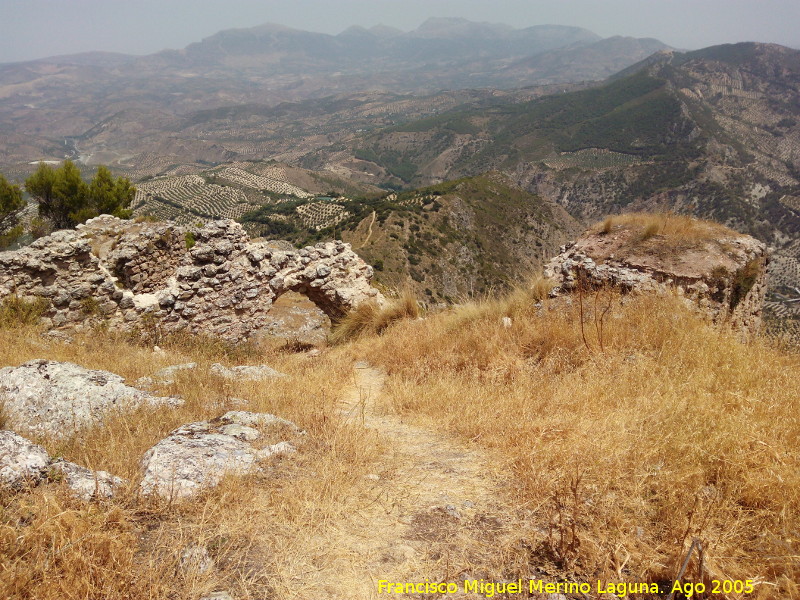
67, 200
10, 202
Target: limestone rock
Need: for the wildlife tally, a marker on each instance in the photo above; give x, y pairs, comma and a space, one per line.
196, 559
725, 274
163, 376
59, 398
198, 455
84, 483
21, 461
142, 275
245, 372
221, 595
167, 374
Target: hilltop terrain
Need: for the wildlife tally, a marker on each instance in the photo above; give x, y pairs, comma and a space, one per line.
492, 441
713, 133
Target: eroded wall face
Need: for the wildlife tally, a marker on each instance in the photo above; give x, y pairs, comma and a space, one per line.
210, 280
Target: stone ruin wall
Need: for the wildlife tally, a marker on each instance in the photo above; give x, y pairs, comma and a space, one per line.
211, 280
730, 287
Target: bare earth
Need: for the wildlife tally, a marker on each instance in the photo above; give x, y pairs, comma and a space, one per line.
434, 516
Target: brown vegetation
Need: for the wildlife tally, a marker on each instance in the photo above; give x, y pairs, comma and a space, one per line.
613, 459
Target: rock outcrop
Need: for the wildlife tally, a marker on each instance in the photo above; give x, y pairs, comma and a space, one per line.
724, 272
211, 280
60, 398
24, 463
197, 456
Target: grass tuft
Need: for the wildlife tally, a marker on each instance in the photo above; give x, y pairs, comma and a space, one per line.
370, 318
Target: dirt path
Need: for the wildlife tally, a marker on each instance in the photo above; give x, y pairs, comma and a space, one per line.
434, 517
369, 232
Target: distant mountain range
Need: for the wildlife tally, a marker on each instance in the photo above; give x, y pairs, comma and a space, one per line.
55, 107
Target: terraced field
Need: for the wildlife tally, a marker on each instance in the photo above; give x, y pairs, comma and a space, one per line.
320, 215
590, 158
192, 194
276, 185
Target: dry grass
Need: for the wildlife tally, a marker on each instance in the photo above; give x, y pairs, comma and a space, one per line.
674, 228
16, 311
257, 528
370, 318
620, 457
617, 457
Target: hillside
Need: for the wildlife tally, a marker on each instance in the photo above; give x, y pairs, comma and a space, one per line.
486, 443
714, 133
446, 242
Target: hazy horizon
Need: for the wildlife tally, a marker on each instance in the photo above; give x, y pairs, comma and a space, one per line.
41, 28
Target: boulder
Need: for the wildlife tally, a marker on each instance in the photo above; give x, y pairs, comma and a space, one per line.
23, 462
196, 456
45, 397
245, 372
85, 483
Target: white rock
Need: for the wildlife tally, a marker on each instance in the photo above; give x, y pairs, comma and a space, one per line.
54, 398
196, 456
245, 372
87, 484
196, 559
251, 419
241, 432
21, 461
222, 595
181, 466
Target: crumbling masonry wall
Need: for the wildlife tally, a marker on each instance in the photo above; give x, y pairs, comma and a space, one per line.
725, 277
207, 280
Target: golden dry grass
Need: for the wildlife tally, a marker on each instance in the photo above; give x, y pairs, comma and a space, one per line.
371, 318
615, 458
256, 528
620, 457
673, 227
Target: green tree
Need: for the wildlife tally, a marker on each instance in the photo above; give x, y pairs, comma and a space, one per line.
10, 202
109, 196
67, 200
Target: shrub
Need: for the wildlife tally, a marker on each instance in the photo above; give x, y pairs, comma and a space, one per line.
16, 311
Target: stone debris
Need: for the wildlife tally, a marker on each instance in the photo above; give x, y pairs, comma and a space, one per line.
725, 276
245, 372
85, 483
196, 559
45, 397
208, 280
165, 376
197, 456
24, 463
21, 461
221, 595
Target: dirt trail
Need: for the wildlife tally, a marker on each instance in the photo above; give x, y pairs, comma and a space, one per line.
435, 515
369, 233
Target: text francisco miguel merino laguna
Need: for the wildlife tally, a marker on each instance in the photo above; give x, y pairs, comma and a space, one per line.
623, 588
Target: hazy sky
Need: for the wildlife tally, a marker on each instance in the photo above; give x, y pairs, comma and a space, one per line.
37, 28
